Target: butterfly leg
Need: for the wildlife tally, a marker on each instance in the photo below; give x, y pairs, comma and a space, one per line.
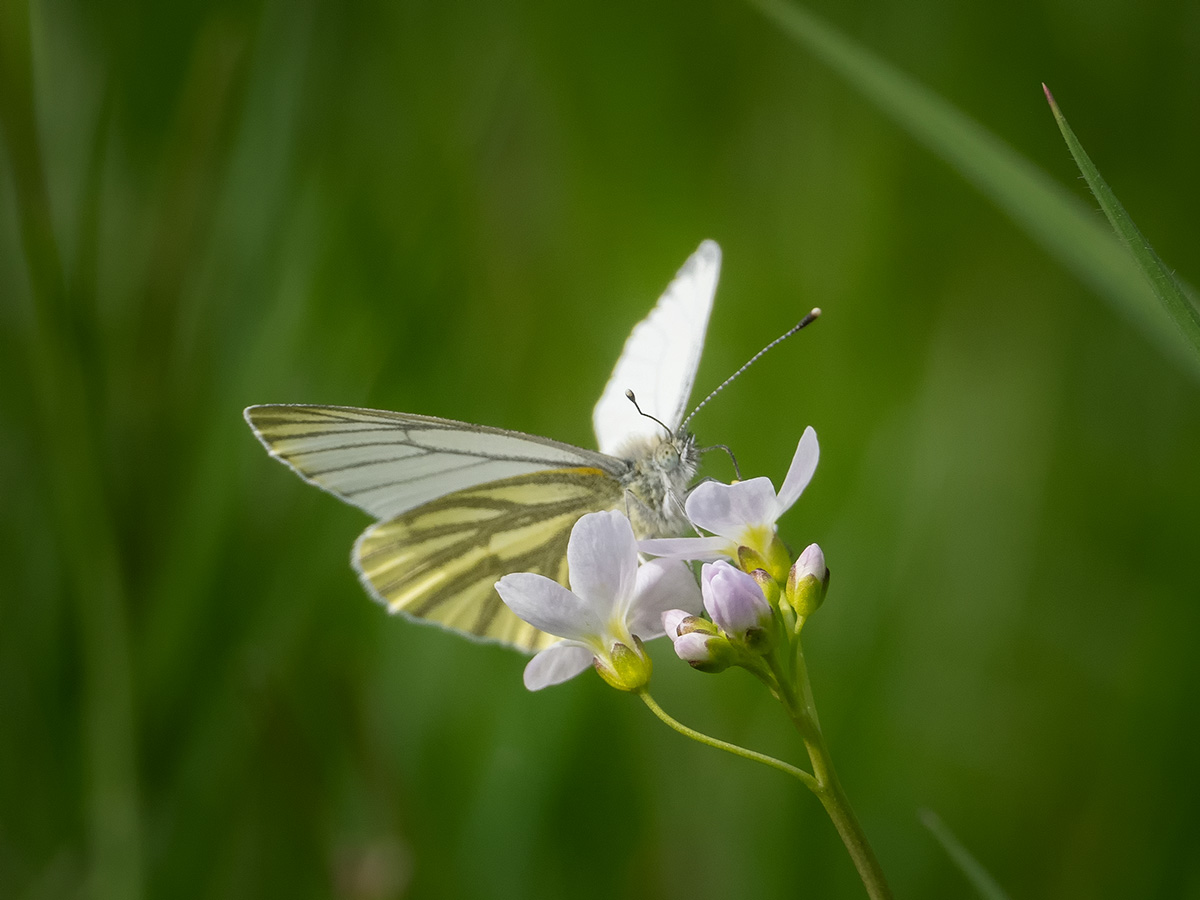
737, 472
642, 508
678, 503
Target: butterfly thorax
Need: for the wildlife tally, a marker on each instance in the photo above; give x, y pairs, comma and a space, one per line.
656, 484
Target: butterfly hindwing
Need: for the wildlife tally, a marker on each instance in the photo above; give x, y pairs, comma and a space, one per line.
440, 561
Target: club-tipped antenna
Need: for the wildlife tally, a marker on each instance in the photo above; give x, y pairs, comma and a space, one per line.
807, 320
632, 399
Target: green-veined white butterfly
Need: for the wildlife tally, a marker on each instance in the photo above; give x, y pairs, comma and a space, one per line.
461, 505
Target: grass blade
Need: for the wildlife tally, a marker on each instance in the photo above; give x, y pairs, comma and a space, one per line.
62, 387
1167, 288
974, 871
1054, 218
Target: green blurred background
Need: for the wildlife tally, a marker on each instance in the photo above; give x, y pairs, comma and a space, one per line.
460, 210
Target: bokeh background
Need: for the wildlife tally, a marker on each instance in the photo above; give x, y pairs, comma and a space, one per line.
460, 209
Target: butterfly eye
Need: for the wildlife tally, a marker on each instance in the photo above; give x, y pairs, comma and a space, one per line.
666, 456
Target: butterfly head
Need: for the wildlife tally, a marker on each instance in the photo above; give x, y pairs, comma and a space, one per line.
660, 471
676, 452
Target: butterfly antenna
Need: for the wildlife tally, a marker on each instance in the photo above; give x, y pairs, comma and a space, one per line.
632, 399
807, 320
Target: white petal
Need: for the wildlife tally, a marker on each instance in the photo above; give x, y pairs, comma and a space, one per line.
548, 606
556, 664
602, 562
705, 548
800, 473
662, 584
728, 509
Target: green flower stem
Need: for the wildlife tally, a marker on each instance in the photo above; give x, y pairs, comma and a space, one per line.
797, 698
807, 780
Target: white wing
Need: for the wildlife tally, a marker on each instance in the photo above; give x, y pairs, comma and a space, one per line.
660, 357
387, 462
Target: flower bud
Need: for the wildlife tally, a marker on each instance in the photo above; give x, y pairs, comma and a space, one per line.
705, 652
808, 581
626, 669
671, 620
733, 599
679, 621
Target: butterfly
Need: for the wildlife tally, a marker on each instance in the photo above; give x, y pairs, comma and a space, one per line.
460, 505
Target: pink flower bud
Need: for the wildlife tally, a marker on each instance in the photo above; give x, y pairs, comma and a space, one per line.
808, 581
706, 652
733, 599
693, 647
812, 562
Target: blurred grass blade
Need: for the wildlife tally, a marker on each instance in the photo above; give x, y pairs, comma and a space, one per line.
1053, 217
61, 386
974, 871
1166, 286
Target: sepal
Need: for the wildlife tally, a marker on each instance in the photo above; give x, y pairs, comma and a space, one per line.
626, 668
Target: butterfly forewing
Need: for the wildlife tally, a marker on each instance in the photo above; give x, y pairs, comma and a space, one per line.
387, 463
440, 562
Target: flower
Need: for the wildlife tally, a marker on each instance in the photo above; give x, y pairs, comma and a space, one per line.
613, 605
742, 514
